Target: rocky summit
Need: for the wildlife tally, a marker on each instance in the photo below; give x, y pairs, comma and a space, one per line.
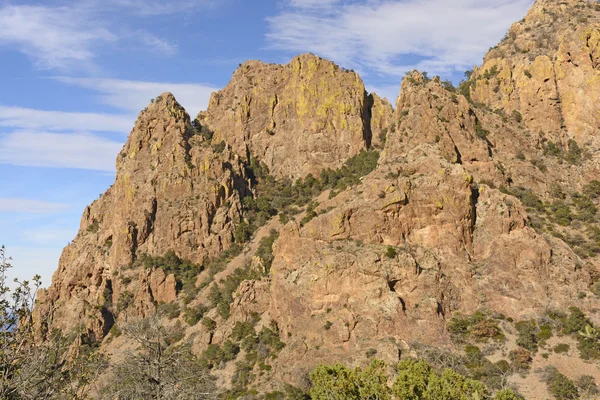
301, 221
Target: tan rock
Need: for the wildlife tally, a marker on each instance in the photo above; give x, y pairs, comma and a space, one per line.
297, 118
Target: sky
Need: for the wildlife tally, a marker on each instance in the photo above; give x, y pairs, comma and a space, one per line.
75, 74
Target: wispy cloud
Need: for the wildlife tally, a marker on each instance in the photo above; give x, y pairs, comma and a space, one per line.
312, 4
54, 37
135, 95
156, 7
154, 42
15, 205
56, 150
393, 36
73, 34
27, 118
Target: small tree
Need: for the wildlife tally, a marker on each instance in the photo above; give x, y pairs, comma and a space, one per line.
159, 368
35, 362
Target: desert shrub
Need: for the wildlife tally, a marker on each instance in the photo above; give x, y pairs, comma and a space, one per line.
185, 271
587, 386
265, 250
170, 310
507, 394
592, 189
390, 252
192, 315
517, 116
272, 197
527, 335
216, 356
339, 382
561, 348
559, 386
480, 131
575, 321
220, 295
521, 359
477, 326
125, 300
241, 330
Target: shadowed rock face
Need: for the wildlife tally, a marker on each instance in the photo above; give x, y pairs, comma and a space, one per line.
464, 194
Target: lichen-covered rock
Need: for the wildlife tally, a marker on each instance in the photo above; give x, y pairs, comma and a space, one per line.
172, 192
547, 70
297, 118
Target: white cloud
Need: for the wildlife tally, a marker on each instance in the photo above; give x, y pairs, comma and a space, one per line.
44, 149
55, 37
15, 205
154, 42
313, 3
135, 95
74, 34
27, 118
156, 7
392, 36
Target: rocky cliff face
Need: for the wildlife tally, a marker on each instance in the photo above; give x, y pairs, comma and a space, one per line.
172, 192
546, 69
297, 118
483, 198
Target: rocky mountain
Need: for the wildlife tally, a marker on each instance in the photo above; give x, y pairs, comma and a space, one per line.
313, 217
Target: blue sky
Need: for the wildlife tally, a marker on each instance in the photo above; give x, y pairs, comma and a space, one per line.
74, 75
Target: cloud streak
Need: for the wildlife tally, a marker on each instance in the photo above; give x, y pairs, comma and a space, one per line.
27, 118
55, 150
391, 37
54, 37
16, 205
135, 95
73, 35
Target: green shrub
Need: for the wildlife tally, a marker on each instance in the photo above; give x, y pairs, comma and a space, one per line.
192, 315
371, 353
125, 300
575, 321
241, 330
561, 348
216, 356
209, 324
517, 116
185, 271
265, 250
587, 386
559, 386
220, 295
527, 335
507, 394
170, 310
243, 232
274, 197
339, 382
391, 252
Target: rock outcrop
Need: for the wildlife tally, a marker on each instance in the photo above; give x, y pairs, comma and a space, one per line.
173, 192
483, 198
297, 118
547, 70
